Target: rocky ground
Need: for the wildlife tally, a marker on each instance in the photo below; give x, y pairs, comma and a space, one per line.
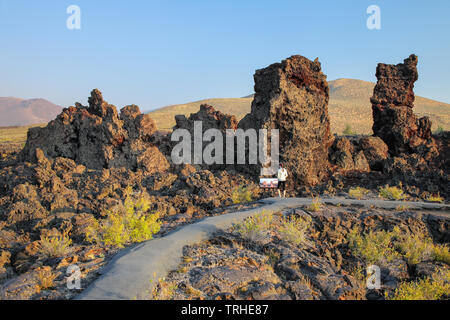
322, 266
74, 173
53, 197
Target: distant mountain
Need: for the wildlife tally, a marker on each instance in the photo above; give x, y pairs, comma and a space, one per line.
21, 112
349, 104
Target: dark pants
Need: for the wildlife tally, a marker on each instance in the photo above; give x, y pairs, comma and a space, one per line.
282, 185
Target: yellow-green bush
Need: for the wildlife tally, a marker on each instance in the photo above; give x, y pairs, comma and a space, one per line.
373, 247
435, 198
382, 245
55, 245
255, 228
293, 229
316, 205
128, 222
441, 253
357, 193
431, 288
242, 194
415, 248
392, 193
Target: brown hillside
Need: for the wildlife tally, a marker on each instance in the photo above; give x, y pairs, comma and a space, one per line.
349, 104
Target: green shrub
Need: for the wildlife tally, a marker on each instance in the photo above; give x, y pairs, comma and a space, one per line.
373, 247
392, 193
358, 192
55, 245
441, 253
415, 248
129, 222
316, 205
293, 229
382, 245
431, 288
255, 228
242, 194
348, 131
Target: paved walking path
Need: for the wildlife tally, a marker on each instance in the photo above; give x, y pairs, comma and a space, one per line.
133, 272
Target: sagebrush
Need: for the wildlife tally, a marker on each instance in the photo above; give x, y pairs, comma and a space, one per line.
242, 194
255, 228
293, 229
55, 245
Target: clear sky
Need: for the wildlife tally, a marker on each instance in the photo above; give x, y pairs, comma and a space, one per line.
156, 53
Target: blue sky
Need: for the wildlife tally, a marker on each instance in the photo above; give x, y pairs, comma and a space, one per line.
156, 53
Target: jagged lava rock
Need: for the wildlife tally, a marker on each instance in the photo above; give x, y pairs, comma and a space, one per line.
98, 137
392, 104
293, 96
347, 157
210, 118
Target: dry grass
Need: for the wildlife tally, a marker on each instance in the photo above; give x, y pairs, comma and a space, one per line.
164, 290
294, 229
15, 135
46, 278
55, 245
255, 228
316, 205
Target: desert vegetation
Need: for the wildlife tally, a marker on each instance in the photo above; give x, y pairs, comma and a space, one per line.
392, 193
98, 179
256, 227
358, 193
434, 287
293, 229
291, 255
55, 245
127, 223
242, 194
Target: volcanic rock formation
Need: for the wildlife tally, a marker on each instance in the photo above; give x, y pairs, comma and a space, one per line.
210, 118
392, 104
98, 137
292, 96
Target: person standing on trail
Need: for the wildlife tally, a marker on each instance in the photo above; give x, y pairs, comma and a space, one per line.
282, 176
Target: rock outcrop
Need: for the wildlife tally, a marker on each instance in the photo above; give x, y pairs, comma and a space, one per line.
98, 137
392, 105
292, 96
358, 154
347, 157
210, 118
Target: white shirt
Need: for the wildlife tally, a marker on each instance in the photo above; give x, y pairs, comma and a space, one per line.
282, 174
